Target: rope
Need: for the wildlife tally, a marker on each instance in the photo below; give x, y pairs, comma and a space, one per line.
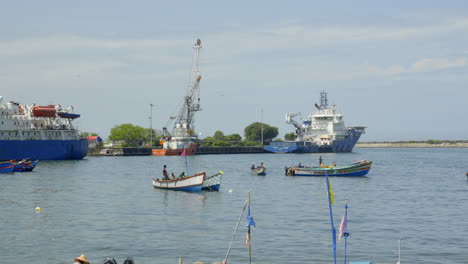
235, 231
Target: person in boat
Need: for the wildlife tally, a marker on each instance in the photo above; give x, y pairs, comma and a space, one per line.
81, 260
172, 176
261, 166
320, 161
253, 167
165, 175
333, 165
182, 175
299, 165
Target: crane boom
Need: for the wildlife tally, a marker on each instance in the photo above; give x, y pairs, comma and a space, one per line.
184, 124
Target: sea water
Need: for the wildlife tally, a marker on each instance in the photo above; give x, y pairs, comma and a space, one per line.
107, 207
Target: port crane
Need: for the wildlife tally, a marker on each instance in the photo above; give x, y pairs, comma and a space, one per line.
183, 131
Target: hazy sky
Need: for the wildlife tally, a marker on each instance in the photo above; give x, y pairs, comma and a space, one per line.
398, 67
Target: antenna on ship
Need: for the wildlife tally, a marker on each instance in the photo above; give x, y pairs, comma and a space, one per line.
323, 99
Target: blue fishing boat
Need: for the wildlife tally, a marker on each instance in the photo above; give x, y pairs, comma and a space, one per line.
360, 168
29, 165
7, 166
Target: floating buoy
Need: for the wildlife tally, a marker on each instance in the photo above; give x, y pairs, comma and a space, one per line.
38, 209
230, 190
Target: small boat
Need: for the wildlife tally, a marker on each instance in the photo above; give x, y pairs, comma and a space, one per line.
44, 111
68, 115
260, 171
19, 165
360, 168
7, 166
192, 183
29, 165
212, 183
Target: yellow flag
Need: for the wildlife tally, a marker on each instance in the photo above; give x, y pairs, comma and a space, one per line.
330, 192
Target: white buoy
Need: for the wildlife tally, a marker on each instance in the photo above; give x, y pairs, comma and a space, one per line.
230, 190
38, 209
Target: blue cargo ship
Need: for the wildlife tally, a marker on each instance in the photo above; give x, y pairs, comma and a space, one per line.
39, 132
323, 131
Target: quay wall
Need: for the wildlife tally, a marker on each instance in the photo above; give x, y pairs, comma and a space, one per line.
228, 150
411, 145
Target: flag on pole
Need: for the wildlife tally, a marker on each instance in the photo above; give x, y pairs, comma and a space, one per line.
343, 225
250, 222
247, 239
330, 192
184, 153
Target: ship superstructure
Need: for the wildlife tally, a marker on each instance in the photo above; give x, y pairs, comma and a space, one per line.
322, 131
39, 132
183, 134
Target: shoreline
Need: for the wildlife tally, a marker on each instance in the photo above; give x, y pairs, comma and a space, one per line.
411, 145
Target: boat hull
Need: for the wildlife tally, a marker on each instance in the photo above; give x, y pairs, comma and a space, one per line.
7, 166
344, 145
174, 152
188, 184
259, 171
43, 149
212, 183
361, 168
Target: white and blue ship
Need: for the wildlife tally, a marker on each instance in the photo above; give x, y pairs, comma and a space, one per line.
39, 133
323, 131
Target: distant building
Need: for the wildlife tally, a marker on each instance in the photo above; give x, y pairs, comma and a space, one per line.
94, 141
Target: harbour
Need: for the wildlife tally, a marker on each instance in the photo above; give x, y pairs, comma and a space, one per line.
105, 207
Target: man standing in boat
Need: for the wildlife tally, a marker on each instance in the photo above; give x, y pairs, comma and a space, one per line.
165, 175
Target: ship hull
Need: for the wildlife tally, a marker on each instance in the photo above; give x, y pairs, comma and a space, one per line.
345, 145
43, 149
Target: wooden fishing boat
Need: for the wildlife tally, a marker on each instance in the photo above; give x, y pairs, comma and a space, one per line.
7, 166
261, 171
212, 183
192, 183
19, 165
360, 168
29, 165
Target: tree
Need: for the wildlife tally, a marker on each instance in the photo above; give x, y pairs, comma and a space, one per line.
234, 138
132, 135
219, 135
253, 132
290, 136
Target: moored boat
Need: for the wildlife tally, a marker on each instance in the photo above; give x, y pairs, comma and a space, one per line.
323, 131
7, 166
19, 165
38, 133
29, 165
360, 168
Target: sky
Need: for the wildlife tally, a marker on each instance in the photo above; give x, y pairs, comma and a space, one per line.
400, 68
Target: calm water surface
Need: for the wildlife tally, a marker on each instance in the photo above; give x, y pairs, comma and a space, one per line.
107, 207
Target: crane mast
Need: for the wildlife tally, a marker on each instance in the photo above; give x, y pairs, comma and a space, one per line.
184, 124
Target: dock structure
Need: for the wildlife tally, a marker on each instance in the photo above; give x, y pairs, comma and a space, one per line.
228, 150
